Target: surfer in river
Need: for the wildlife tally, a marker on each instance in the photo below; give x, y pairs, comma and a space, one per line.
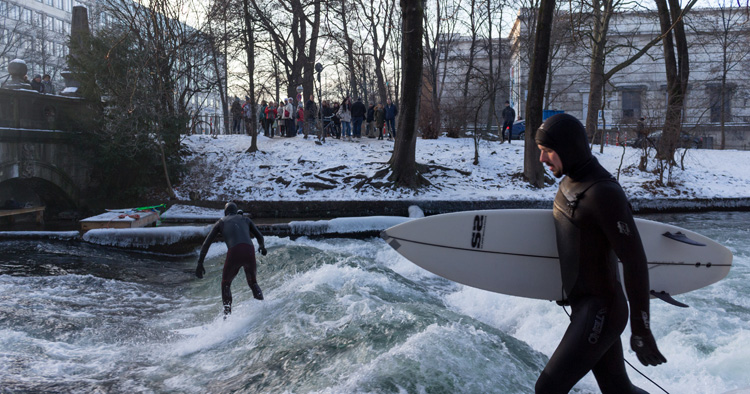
593, 219
236, 230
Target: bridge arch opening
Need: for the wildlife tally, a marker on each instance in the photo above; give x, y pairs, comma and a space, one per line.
36, 192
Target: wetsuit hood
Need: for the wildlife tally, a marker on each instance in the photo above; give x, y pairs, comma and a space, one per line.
565, 135
230, 209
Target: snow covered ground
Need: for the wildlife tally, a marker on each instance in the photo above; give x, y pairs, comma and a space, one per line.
295, 169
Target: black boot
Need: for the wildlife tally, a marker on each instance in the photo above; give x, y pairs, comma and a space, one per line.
257, 293
227, 310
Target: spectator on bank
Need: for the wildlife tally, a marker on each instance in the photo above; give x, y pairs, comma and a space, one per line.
262, 116
345, 114
358, 111
236, 111
291, 131
390, 119
270, 119
379, 116
48, 87
36, 83
509, 114
301, 120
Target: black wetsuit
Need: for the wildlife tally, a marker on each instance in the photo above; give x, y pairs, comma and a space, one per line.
236, 230
595, 226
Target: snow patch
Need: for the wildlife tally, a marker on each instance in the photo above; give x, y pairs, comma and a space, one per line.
145, 237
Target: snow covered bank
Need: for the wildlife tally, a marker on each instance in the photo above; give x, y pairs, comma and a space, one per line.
292, 169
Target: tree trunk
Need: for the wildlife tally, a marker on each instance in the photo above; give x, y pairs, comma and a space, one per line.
403, 162
470, 66
533, 170
676, 72
350, 50
250, 52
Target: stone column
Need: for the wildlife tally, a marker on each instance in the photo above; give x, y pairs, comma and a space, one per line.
79, 31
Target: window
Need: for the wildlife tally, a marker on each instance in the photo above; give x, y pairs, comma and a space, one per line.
26, 15
14, 12
631, 105
50, 2
714, 102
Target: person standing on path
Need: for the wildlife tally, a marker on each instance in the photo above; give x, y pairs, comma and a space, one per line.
236, 230
345, 114
391, 110
358, 115
509, 115
594, 223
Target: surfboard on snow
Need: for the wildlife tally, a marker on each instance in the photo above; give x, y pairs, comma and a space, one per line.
515, 252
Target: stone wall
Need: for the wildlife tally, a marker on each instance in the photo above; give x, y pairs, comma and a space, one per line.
28, 109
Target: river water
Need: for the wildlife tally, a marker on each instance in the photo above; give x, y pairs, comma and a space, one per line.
340, 316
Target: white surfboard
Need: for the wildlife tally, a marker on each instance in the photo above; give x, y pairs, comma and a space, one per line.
515, 252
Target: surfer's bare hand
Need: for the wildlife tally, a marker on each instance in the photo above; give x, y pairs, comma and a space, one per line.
644, 346
199, 271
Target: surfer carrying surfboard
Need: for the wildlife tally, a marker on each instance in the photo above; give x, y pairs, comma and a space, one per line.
593, 220
236, 230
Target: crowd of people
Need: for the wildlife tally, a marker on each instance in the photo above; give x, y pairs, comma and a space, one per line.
42, 84
343, 120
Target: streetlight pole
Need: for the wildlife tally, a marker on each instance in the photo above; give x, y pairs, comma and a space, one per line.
319, 122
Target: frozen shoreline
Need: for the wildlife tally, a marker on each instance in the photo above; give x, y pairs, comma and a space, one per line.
180, 238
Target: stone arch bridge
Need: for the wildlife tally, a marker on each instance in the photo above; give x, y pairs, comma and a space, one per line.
40, 161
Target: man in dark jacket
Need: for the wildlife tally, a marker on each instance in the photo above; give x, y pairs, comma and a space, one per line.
509, 115
391, 110
358, 115
236, 230
594, 223
36, 83
236, 111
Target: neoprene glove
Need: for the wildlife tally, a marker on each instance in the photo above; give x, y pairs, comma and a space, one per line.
644, 346
199, 271
263, 250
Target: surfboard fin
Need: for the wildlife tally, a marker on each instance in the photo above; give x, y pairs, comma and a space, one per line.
680, 237
390, 241
664, 296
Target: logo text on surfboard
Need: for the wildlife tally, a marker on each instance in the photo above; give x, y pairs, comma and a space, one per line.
477, 232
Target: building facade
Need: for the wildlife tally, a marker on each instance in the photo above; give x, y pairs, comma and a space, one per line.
719, 65
37, 32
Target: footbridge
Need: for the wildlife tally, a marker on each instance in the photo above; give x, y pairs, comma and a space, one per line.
40, 160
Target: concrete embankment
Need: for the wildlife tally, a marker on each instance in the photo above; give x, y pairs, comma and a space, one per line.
349, 219
285, 211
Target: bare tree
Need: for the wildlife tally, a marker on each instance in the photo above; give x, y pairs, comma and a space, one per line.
533, 170
677, 68
249, 43
378, 13
294, 28
403, 162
